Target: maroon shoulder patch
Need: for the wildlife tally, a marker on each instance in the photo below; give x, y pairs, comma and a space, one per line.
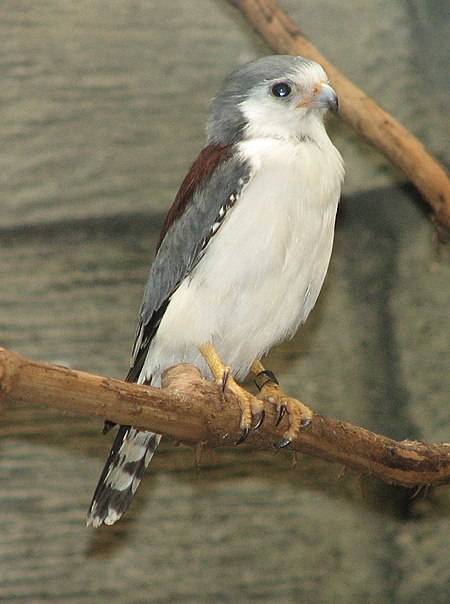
203, 166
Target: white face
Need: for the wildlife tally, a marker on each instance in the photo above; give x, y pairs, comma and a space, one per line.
289, 107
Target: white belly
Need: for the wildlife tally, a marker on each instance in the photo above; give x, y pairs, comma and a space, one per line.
262, 272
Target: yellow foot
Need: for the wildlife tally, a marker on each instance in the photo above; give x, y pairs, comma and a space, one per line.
299, 414
250, 405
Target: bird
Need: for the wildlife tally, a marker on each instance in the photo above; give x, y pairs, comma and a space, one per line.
242, 254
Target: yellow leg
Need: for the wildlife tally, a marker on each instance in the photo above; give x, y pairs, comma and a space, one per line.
299, 414
249, 404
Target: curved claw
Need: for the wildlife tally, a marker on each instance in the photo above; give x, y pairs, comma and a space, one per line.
243, 436
305, 422
225, 376
260, 420
281, 412
283, 443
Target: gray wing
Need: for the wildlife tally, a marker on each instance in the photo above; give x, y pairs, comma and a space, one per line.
202, 206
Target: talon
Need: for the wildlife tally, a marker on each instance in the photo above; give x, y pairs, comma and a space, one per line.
260, 420
243, 436
225, 376
300, 416
283, 443
281, 412
250, 406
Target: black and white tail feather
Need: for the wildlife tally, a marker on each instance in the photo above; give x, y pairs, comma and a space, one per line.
130, 455
132, 449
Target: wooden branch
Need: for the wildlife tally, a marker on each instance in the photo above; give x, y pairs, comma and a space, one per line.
195, 411
374, 123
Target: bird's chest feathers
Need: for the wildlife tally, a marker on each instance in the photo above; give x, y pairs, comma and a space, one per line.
265, 265
286, 212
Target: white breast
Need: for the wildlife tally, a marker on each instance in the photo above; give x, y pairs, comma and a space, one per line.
262, 272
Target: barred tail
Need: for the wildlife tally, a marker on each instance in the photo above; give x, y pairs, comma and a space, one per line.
131, 453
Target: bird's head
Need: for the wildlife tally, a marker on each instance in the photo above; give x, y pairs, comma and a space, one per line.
279, 96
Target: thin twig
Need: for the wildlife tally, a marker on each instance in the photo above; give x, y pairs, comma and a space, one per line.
194, 410
371, 121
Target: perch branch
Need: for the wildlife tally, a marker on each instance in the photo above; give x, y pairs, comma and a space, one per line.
194, 410
359, 110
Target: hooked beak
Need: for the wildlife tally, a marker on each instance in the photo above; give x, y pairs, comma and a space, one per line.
323, 98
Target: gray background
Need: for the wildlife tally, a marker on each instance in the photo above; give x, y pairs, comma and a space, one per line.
102, 109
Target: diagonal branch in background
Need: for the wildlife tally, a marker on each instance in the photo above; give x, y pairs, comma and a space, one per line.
195, 411
371, 121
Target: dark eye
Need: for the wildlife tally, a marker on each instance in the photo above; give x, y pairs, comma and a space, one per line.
281, 90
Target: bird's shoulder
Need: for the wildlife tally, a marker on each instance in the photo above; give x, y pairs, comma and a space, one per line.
201, 169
